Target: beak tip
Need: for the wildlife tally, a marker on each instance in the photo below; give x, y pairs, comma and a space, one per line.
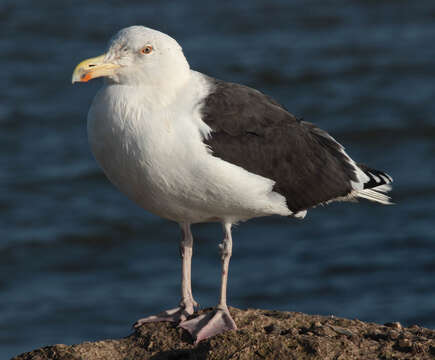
75, 78
80, 77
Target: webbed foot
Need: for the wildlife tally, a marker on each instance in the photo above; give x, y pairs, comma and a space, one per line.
179, 314
208, 325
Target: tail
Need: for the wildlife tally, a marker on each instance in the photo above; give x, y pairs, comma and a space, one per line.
377, 185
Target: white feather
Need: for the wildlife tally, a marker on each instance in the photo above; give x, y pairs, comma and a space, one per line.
373, 195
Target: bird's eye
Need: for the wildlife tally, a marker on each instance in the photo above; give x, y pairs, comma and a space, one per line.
147, 49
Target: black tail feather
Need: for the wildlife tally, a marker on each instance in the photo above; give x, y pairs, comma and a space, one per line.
377, 178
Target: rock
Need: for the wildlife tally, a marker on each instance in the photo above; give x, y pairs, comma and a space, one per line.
262, 334
394, 325
317, 324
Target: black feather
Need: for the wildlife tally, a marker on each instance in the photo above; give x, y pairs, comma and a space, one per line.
255, 132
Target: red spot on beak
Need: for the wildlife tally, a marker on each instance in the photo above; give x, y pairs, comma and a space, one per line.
86, 77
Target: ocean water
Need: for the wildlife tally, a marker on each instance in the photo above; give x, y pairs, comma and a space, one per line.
78, 261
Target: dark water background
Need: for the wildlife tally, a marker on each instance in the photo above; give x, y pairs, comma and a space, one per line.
78, 261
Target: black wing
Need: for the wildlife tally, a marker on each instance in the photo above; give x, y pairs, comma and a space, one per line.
255, 132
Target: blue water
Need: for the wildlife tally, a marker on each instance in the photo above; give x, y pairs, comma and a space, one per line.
78, 261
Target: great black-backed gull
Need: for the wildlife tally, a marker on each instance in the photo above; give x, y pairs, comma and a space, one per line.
194, 149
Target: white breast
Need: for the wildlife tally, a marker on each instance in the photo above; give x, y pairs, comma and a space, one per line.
155, 155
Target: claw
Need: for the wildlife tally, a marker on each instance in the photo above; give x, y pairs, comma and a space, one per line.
208, 325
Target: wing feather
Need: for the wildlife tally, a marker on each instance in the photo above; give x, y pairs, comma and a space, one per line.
253, 131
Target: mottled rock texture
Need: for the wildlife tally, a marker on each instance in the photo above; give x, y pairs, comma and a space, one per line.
262, 334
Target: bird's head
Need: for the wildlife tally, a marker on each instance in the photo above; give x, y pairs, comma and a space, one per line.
136, 55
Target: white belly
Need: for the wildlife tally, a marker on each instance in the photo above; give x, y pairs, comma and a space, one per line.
160, 162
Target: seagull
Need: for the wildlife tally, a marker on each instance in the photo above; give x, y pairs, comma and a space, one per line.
192, 149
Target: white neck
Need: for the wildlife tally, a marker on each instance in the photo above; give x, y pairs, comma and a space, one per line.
164, 90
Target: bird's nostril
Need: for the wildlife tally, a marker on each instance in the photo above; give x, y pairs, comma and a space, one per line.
91, 65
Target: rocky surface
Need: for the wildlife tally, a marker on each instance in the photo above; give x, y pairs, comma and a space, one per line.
262, 334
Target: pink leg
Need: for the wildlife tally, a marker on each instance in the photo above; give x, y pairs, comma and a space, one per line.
219, 320
187, 304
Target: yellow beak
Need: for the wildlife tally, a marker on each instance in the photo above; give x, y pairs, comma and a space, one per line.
93, 68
